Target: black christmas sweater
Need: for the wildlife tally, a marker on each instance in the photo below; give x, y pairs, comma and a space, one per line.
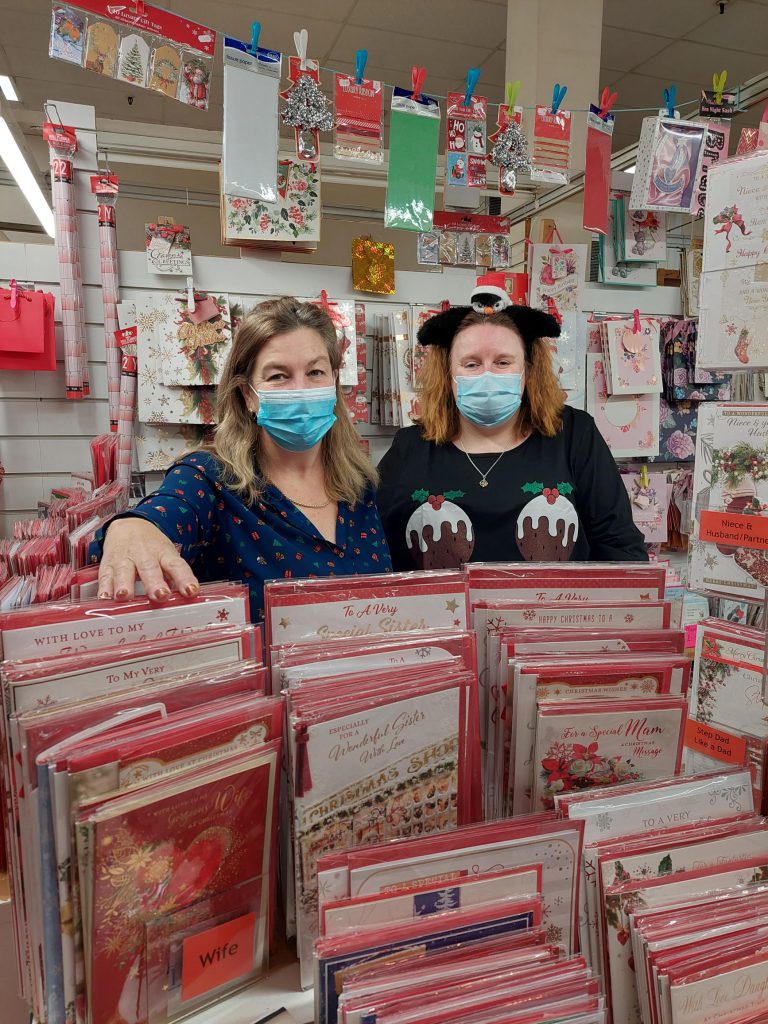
550, 499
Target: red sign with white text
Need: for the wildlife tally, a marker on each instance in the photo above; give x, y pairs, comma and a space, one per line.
157, 21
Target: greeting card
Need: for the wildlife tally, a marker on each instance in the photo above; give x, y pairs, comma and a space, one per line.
650, 504
728, 677
668, 165
736, 214
733, 319
644, 235
730, 501
735, 990
368, 776
629, 423
633, 354
557, 273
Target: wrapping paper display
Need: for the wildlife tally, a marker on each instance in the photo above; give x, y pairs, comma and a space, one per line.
62, 145
145, 46
733, 295
104, 187
413, 141
251, 87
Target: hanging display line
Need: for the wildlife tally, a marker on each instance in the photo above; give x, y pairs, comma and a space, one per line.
206, 44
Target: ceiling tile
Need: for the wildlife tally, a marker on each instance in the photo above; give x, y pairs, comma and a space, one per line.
390, 49
695, 62
623, 50
223, 13
744, 26
671, 18
493, 72
455, 21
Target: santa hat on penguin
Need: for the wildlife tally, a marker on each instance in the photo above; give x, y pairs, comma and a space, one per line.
498, 290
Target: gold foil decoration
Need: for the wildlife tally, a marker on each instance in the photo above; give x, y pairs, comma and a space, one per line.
373, 266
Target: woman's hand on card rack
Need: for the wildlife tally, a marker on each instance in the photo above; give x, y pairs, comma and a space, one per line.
135, 549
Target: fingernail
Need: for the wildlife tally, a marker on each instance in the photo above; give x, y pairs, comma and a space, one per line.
191, 589
104, 596
122, 593
161, 593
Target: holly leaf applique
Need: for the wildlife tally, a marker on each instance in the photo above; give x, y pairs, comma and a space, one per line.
450, 495
665, 866
421, 495
533, 488
565, 489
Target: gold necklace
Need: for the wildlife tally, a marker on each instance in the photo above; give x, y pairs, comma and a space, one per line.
483, 476
300, 504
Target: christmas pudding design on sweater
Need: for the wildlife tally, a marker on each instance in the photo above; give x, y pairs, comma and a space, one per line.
548, 526
439, 533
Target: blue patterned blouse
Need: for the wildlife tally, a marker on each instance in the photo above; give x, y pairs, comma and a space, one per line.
222, 538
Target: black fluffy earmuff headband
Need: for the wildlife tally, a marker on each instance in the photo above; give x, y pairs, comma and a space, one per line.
531, 324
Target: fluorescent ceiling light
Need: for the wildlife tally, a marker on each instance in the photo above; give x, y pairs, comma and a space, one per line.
630, 170
7, 89
14, 160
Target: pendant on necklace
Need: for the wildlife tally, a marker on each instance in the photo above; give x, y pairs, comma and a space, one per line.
483, 482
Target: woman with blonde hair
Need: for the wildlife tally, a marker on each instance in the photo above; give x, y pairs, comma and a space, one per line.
498, 467
284, 490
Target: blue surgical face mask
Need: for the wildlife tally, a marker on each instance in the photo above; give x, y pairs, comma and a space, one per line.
489, 399
296, 418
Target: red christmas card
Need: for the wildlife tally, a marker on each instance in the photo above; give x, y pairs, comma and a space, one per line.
163, 849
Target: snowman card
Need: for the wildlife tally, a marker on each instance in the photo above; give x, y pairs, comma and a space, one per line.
728, 550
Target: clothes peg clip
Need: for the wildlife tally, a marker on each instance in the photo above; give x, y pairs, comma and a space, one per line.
513, 88
361, 59
637, 327
301, 39
669, 99
190, 295
645, 481
255, 33
418, 77
473, 76
607, 100
553, 310
14, 295
718, 83
138, 8
558, 95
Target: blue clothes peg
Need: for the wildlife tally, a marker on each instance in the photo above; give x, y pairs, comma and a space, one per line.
361, 59
558, 95
669, 99
473, 77
255, 33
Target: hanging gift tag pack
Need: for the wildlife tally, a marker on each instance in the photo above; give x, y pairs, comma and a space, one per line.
551, 146
465, 145
413, 140
306, 109
175, 57
251, 88
358, 109
597, 172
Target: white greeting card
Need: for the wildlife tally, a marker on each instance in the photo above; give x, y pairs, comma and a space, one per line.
736, 214
634, 356
645, 236
730, 488
727, 686
629, 423
733, 319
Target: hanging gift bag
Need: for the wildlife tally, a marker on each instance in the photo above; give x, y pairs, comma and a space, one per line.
413, 140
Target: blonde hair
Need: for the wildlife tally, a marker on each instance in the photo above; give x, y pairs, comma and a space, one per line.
236, 443
541, 410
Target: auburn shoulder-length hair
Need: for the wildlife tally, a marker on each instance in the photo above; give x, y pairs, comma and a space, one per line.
541, 409
237, 441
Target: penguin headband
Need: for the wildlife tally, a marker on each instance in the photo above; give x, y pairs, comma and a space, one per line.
531, 324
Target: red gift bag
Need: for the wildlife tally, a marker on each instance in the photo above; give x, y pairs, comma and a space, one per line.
27, 337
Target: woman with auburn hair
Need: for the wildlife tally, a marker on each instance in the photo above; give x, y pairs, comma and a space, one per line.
498, 467
284, 490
